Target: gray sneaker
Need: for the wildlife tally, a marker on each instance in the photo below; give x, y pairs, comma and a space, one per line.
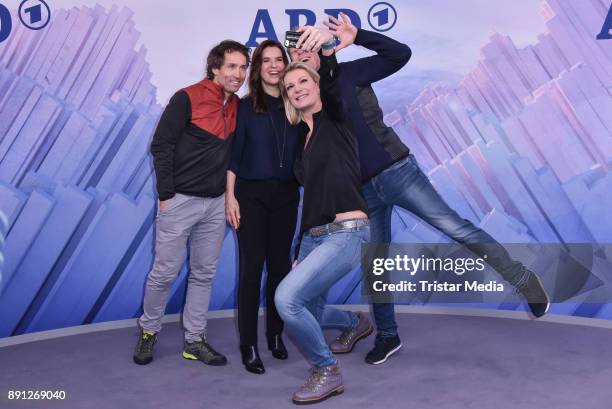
202, 351
143, 354
347, 340
322, 383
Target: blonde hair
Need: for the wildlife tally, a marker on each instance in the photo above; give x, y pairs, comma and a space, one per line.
294, 115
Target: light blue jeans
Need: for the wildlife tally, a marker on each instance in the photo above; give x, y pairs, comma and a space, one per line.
301, 296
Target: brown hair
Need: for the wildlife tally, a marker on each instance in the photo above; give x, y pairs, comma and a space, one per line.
216, 56
293, 115
256, 91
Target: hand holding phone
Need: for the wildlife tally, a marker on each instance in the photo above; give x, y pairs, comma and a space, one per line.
291, 38
309, 38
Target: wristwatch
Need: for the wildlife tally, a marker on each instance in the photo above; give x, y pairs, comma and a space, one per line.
330, 45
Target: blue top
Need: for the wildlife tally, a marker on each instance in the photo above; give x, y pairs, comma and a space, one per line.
379, 145
261, 140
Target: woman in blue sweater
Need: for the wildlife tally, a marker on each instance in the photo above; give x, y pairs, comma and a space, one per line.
262, 199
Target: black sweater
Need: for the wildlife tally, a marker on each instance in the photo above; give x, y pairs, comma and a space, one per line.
328, 167
261, 139
379, 145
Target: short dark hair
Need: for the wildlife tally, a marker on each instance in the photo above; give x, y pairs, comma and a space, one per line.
216, 56
256, 91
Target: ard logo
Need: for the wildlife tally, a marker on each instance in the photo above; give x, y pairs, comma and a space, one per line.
382, 16
297, 17
604, 34
6, 24
34, 14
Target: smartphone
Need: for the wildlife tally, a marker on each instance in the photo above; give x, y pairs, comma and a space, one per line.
291, 38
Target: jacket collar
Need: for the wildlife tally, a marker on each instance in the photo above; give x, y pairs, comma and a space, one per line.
303, 126
216, 90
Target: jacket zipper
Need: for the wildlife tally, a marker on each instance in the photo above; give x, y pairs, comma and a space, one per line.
224, 123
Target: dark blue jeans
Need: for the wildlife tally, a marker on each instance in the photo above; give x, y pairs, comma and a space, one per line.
404, 184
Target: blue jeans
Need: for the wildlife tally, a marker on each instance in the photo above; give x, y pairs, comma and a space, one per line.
301, 297
404, 184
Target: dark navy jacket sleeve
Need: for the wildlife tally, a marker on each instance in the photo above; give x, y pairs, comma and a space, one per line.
239, 135
331, 94
391, 57
170, 127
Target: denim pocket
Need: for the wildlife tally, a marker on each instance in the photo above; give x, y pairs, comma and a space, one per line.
352, 242
359, 235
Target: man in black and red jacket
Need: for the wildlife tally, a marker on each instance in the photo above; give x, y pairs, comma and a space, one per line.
191, 150
392, 177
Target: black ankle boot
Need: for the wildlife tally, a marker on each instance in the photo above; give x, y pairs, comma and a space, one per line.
275, 344
251, 360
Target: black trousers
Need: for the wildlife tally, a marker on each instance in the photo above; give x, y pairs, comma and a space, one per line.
268, 211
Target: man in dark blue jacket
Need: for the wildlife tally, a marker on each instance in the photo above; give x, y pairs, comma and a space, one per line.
392, 177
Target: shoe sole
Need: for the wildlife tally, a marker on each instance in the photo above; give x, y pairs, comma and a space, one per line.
143, 361
339, 390
278, 356
192, 357
382, 361
359, 338
535, 317
255, 371
547, 307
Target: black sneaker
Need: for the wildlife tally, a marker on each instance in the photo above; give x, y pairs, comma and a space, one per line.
202, 351
144, 349
533, 291
383, 349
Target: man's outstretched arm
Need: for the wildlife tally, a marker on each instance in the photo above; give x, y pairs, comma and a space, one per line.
391, 54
